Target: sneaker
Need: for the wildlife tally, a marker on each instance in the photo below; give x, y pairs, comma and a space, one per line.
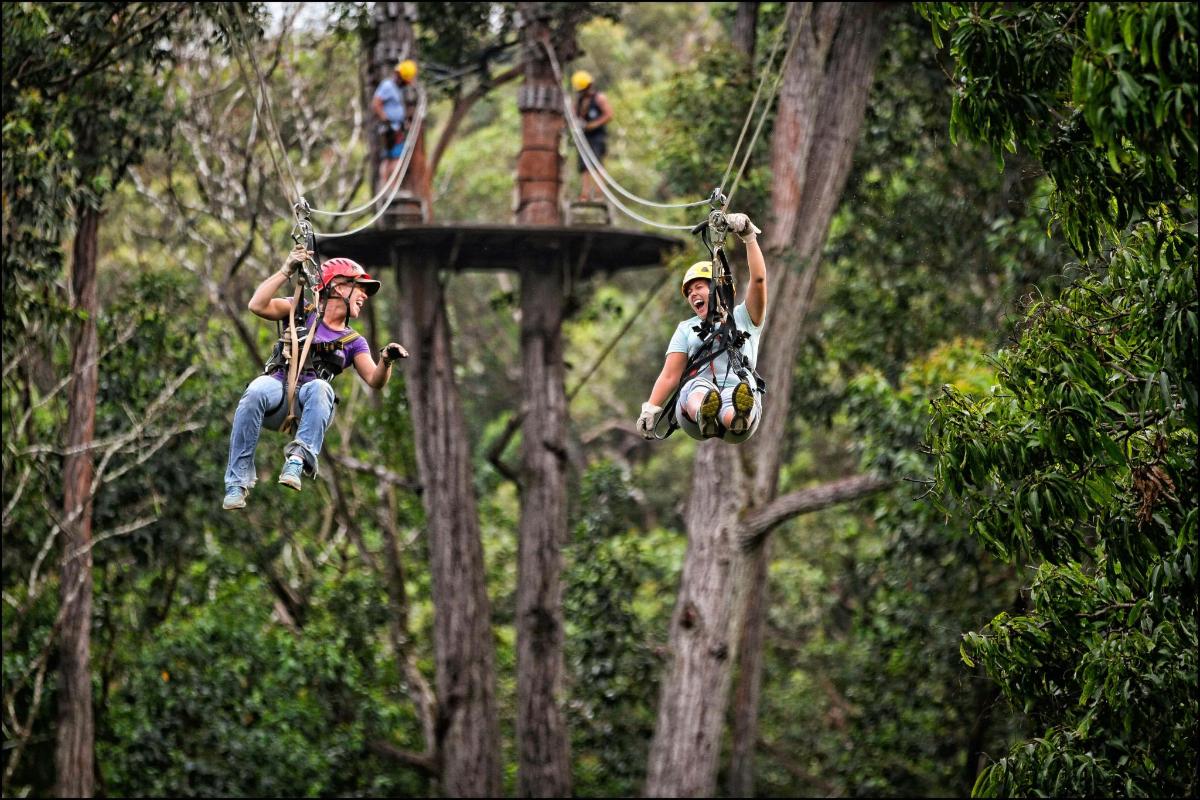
290, 476
743, 404
235, 497
707, 418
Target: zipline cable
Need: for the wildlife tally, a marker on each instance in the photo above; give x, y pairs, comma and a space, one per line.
774, 91
753, 103
266, 100
418, 121
287, 193
569, 113
397, 177
587, 156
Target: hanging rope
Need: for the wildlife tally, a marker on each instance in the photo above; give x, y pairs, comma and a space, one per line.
774, 91
603, 179
753, 103
398, 176
646, 298
266, 101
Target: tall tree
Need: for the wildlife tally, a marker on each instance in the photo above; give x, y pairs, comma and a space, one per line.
820, 109
1084, 454
543, 747
466, 749
87, 100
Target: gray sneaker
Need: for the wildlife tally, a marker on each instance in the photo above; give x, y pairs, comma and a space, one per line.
235, 497
292, 469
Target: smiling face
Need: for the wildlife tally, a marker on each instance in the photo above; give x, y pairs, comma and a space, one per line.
696, 292
354, 295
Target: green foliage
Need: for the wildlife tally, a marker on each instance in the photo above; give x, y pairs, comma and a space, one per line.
1085, 458
1084, 455
613, 668
227, 703
79, 110
893, 285
1103, 95
892, 710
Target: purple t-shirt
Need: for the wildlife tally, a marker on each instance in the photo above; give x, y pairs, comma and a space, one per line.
347, 353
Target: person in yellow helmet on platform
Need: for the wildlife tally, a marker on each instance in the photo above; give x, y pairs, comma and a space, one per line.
594, 112
716, 399
390, 109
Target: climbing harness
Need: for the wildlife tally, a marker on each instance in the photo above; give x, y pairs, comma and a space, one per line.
295, 342
719, 333
296, 349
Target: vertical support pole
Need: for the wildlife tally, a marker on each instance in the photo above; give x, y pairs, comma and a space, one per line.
543, 759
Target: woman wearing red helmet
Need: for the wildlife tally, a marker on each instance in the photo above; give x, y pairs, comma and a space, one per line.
345, 287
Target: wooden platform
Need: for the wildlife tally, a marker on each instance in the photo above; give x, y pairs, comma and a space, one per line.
592, 249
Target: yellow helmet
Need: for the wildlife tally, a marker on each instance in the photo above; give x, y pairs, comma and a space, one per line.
581, 80
407, 69
701, 269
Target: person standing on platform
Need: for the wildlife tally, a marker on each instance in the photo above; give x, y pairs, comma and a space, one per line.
390, 111
594, 112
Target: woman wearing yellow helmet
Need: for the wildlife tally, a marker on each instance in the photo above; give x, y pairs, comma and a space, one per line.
594, 113
719, 396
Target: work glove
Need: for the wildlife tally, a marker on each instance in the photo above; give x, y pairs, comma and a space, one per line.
742, 226
648, 419
393, 351
295, 258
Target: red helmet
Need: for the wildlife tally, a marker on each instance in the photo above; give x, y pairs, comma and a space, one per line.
345, 268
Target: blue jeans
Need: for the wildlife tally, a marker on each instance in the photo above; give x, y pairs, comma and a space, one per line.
314, 400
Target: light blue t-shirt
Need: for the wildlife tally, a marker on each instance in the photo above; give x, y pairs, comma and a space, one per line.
686, 340
393, 101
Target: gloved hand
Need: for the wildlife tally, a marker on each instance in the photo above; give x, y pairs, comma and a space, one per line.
392, 352
295, 258
649, 417
742, 226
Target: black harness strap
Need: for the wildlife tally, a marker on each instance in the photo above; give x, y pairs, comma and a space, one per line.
719, 330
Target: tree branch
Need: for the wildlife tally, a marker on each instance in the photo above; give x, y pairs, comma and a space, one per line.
462, 107
382, 473
761, 521
417, 761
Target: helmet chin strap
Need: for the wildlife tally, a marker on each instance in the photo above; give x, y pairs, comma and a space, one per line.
344, 298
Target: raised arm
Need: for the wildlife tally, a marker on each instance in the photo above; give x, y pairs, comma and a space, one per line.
263, 302
756, 293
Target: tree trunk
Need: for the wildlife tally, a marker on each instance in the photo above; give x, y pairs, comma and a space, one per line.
467, 729
748, 687
691, 709
745, 30
543, 745
75, 733
544, 753
466, 744
821, 106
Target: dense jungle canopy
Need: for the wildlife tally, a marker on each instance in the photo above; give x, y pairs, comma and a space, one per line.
959, 557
